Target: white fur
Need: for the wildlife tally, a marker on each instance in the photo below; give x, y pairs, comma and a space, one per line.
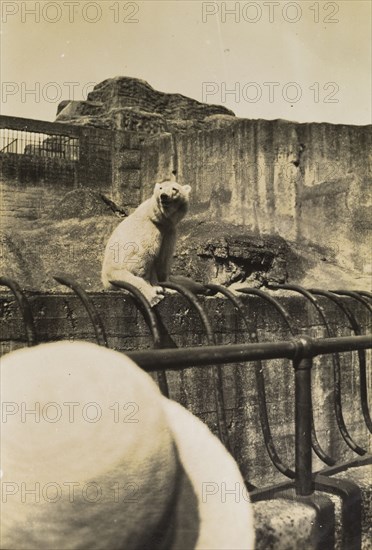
141, 248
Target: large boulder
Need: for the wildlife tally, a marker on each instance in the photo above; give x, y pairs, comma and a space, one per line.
132, 104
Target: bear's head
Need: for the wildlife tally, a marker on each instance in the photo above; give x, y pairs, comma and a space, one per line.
172, 199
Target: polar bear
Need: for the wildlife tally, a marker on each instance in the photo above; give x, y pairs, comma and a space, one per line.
140, 249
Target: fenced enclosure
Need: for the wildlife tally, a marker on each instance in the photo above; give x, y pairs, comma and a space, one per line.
306, 472
41, 161
36, 143
38, 152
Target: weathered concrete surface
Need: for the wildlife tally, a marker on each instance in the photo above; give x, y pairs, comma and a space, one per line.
84, 203
309, 183
224, 253
362, 477
284, 525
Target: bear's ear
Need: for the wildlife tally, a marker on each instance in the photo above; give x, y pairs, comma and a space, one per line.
186, 189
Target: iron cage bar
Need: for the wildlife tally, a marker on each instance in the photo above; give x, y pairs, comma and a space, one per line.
300, 350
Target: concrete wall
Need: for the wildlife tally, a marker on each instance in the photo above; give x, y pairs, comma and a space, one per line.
125, 187
304, 181
63, 317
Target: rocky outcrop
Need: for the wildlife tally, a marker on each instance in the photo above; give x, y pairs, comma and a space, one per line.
132, 104
227, 254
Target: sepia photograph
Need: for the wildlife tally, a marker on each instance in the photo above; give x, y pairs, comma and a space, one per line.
186, 275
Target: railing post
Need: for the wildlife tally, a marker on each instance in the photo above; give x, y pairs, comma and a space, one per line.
303, 411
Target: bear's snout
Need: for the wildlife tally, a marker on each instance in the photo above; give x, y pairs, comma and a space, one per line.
164, 197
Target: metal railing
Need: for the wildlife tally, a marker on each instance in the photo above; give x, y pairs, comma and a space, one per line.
299, 349
22, 142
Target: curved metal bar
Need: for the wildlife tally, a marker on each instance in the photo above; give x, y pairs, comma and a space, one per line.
190, 296
361, 356
151, 322
96, 320
260, 381
336, 367
286, 317
144, 304
356, 296
217, 370
281, 310
25, 308
365, 293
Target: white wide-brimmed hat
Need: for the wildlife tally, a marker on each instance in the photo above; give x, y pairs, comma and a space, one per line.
94, 457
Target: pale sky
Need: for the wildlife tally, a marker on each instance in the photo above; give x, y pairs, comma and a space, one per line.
316, 55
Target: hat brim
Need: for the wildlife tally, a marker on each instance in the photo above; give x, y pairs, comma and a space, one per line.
224, 516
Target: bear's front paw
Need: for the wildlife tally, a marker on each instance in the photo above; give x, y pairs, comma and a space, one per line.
156, 295
170, 291
156, 299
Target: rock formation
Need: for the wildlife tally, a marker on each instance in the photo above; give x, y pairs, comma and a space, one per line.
132, 104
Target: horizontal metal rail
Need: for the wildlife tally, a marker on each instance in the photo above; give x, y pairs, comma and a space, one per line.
301, 350
174, 359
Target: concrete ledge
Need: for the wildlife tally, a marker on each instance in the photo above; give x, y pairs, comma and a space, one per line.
285, 524
281, 524
362, 477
